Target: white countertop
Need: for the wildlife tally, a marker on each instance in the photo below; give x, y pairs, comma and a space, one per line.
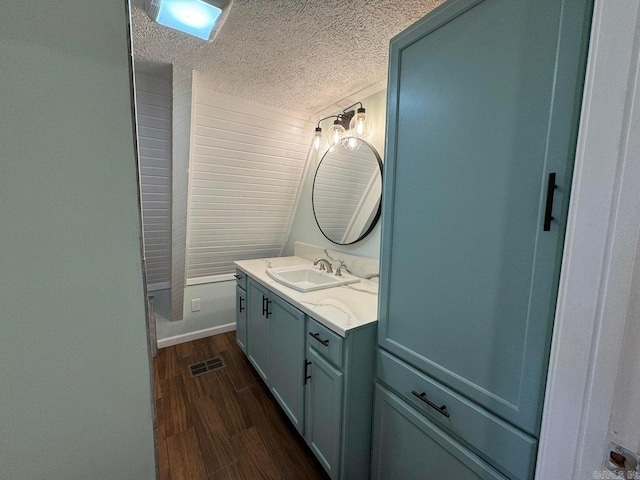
338, 308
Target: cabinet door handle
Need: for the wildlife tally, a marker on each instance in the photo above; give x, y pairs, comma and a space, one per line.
317, 337
423, 396
306, 366
238, 277
265, 306
241, 307
551, 188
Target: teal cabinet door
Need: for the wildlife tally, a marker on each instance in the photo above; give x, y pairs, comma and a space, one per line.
324, 411
484, 103
287, 359
258, 329
407, 446
241, 318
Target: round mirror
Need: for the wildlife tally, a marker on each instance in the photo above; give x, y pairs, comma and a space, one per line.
346, 191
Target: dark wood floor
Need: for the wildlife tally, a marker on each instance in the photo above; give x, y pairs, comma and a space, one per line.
224, 424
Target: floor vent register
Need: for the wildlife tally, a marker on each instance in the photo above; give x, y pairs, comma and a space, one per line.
201, 368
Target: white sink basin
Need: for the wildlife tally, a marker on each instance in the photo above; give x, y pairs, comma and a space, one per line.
305, 278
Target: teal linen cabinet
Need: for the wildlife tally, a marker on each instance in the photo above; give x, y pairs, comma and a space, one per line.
483, 108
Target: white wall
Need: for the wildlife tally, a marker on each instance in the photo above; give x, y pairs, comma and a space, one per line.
304, 227
153, 109
75, 397
216, 315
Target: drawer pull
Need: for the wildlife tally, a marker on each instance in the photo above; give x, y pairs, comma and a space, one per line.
317, 337
423, 396
238, 277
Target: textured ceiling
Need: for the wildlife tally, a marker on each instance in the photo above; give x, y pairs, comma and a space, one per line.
298, 55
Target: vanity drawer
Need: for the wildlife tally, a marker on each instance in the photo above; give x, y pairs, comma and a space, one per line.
325, 342
241, 279
507, 448
408, 446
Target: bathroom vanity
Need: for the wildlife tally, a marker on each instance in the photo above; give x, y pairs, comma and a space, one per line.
315, 351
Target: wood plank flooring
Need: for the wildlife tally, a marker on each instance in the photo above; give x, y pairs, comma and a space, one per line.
224, 424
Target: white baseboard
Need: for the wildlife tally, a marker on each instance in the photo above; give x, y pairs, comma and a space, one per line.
187, 337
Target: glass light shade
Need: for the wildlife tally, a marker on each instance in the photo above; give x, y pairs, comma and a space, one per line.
318, 140
335, 134
351, 143
360, 125
194, 17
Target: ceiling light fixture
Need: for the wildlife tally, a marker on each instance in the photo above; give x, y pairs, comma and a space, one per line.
200, 18
348, 124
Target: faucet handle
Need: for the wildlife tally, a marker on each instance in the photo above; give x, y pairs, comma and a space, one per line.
339, 269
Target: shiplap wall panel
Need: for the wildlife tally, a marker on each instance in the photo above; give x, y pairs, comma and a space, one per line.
153, 97
246, 169
182, 110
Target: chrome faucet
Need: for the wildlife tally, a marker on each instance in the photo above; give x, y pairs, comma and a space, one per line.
324, 264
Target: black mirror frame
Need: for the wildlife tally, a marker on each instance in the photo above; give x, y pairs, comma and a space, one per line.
375, 220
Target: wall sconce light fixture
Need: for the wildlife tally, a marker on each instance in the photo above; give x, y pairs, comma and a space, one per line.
351, 122
200, 18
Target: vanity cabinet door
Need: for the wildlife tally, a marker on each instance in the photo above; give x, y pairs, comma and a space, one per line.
484, 103
324, 411
258, 329
241, 318
287, 359
408, 446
